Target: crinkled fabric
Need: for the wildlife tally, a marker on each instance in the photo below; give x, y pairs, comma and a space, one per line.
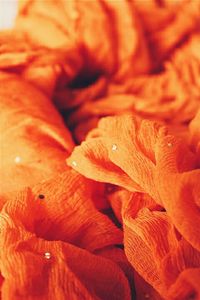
71, 234
100, 151
94, 70
160, 214
34, 140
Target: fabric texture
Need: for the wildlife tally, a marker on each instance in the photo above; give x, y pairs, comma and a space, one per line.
100, 151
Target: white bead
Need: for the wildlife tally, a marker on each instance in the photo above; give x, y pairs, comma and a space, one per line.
169, 144
74, 163
17, 159
114, 147
47, 255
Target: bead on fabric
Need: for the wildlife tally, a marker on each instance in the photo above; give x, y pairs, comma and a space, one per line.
74, 163
17, 159
114, 147
47, 255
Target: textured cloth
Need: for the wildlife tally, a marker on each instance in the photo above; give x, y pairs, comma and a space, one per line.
34, 140
100, 151
157, 168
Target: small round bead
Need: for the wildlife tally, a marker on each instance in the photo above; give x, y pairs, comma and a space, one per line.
47, 255
146, 296
74, 163
41, 196
110, 188
192, 296
169, 144
17, 159
114, 147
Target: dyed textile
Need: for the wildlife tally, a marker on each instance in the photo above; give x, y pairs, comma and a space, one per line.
100, 155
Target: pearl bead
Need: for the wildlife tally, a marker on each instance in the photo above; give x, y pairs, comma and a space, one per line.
74, 163
169, 144
114, 147
47, 255
17, 159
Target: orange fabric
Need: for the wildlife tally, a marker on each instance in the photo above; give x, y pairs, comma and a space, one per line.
157, 169
100, 151
155, 74
32, 132
31, 226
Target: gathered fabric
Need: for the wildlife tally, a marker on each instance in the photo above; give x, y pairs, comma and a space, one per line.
100, 151
160, 212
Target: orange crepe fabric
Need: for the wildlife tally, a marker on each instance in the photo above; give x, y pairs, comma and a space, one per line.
100, 151
146, 62
31, 227
157, 169
81, 18
32, 134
